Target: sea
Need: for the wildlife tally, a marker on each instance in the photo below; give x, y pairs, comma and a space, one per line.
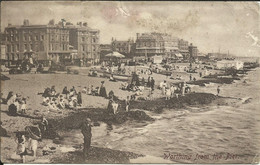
202, 134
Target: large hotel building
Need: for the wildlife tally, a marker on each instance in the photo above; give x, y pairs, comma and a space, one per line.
55, 42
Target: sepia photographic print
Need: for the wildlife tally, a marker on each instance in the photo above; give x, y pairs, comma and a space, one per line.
87, 82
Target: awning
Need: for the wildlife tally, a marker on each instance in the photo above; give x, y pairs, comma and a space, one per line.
115, 54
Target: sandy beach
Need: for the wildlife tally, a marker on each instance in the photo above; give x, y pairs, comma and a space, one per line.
29, 85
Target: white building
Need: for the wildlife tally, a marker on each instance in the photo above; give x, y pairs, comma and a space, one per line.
224, 64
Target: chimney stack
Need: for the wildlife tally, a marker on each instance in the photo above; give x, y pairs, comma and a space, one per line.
26, 22
85, 24
137, 35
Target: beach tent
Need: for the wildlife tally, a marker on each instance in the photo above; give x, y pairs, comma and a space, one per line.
115, 54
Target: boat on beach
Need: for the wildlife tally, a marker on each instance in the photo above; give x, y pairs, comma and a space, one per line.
117, 77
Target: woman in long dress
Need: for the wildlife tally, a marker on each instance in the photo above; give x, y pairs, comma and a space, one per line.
102, 91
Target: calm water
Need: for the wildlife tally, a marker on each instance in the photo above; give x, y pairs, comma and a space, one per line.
211, 130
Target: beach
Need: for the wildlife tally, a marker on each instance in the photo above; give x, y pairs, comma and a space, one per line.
198, 123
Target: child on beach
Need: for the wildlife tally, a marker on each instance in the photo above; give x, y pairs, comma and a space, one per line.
168, 94
21, 150
115, 107
23, 106
127, 103
84, 90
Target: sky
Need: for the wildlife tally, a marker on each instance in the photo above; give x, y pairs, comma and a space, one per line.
212, 26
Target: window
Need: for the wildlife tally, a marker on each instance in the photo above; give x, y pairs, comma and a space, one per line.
24, 37
17, 47
63, 38
8, 48
94, 40
16, 38
83, 38
25, 47
82, 48
31, 47
36, 38
30, 38
52, 37
12, 46
52, 47
42, 37
36, 47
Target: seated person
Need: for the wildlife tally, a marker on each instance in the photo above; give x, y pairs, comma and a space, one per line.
124, 85
84, 90
111, 78
46, 101
133, 97
89, 90
111, 94
61, 104
70, 104
95, 73
96, 91
138, 92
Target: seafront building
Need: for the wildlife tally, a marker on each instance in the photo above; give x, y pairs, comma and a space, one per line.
152, 44
86, 41
50, 42
126, 48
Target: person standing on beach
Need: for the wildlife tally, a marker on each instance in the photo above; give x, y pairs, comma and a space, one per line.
164, 86
86, 131
149, 82
218, 90
102, 91
79, 99
127, 103
65, 91
152, 84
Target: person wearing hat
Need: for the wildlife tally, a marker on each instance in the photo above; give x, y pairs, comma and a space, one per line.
86, 131
152, 83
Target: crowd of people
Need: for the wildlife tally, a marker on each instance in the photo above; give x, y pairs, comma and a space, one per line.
16, 103
58, 101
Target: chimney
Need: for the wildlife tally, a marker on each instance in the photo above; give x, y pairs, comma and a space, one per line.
51, 22
85, 24
26, 22
137, 35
